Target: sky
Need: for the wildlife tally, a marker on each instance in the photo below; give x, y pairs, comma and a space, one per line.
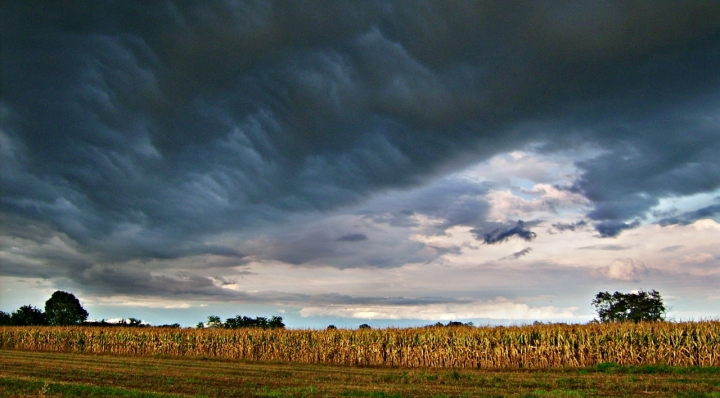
395, 163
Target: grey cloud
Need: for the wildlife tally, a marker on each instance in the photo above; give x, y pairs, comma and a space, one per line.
445, 250
612, 228
335, 298
446, 202
395, 219
108, 280
143, 131
314, 245
518, 254
222, 251
451, 201
352, 238
664, 213
500, 235
228, 281
403, 218
570, 226
309, 246
665, 156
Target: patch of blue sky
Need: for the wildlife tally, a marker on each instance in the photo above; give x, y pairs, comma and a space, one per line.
677, 205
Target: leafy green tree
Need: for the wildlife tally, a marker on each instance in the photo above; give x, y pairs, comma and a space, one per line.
5, 319
214, 322
261, 322
365, 326
63, 308
27, 315
276, 323
635, 307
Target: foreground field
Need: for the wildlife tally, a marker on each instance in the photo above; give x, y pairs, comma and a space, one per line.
533, 347
24, 373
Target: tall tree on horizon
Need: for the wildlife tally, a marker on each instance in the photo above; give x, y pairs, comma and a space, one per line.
635, 307
63, 308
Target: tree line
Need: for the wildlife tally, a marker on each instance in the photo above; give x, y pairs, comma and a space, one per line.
64, 309
61, 309
240, 321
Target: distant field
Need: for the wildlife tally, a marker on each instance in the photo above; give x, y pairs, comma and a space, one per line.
527, 347
53, 374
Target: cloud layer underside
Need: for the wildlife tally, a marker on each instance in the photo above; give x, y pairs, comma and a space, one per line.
139, 129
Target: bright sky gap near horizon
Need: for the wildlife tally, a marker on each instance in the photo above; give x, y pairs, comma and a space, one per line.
346, 162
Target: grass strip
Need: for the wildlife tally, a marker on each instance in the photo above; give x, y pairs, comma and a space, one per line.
20, 387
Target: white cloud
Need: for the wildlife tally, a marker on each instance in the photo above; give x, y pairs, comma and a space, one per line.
541, 198
625, 270
706, 224
698, 258
518, 166
130, 301
499, 308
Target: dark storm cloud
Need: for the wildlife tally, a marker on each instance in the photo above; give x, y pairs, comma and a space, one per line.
141, 282
141, 130
500, 235
668, 156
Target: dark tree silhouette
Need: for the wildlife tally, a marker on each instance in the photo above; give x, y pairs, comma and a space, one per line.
64, 308
276, 322
27, 315
635, 307
239, 321
5, 319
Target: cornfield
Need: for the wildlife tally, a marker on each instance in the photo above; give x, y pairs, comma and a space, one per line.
537, 346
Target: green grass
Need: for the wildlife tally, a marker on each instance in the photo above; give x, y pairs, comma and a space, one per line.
19, 387
50, 374
611, 367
